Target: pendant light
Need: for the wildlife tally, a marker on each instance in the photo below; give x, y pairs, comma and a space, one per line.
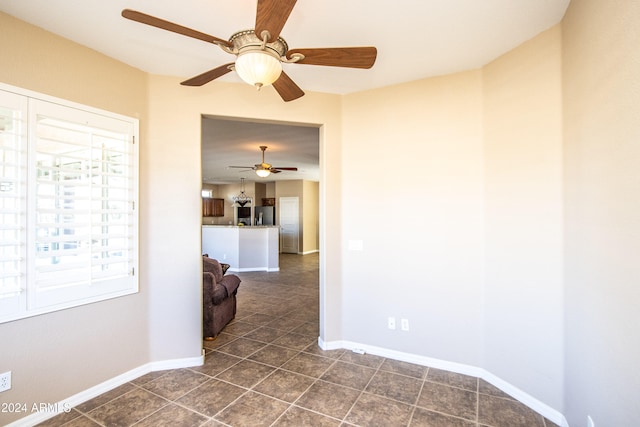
241, 199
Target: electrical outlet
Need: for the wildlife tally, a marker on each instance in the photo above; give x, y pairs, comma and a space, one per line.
590, 422
404, 324
5, 381
391, 322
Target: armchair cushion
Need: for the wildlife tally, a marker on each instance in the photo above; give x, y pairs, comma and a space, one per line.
211, 265
225, 267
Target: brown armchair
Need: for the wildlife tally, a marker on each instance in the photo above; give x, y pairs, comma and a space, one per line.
218, 297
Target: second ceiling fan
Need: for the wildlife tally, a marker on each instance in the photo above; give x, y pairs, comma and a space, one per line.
260, 52
265, 169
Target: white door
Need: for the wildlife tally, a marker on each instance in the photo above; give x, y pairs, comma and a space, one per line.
289, 224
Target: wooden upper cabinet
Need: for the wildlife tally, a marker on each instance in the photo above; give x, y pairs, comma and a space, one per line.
212, 207
218, 207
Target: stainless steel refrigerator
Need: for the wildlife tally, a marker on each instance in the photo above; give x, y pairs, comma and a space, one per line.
265, 215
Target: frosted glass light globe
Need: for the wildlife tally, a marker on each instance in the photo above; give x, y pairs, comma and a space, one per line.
258, 68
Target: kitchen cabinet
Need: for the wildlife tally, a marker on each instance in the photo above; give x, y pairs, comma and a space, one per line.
212, 207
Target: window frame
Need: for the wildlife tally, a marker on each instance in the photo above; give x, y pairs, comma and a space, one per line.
31, 300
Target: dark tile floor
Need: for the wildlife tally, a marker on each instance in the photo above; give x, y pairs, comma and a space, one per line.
265, 369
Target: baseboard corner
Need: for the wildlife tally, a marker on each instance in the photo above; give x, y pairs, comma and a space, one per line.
460, 368
105, 386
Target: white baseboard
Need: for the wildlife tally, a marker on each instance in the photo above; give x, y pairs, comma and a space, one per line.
75, 400
176, 363
533, 403
309, 252
244, 270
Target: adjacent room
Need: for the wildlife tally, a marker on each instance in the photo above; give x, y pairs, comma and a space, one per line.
263, 177
477, 201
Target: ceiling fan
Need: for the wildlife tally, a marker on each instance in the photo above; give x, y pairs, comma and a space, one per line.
260, 52
263, 169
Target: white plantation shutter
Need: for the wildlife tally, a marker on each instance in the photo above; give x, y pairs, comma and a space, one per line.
13, 179
79, 187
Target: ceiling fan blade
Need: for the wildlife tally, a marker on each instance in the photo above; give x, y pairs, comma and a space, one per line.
284, 169
351, 57
272, 15
241, 167
287, 88
170, 26
207, 76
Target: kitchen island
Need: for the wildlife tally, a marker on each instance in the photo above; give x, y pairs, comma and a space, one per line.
244, 248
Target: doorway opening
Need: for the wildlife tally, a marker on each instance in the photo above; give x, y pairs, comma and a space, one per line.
237, 142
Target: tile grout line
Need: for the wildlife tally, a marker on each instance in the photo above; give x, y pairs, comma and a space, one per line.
174, 401
316, 380
415, 404
344, 419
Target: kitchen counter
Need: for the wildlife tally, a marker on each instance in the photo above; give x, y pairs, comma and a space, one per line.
243, 247
240, 226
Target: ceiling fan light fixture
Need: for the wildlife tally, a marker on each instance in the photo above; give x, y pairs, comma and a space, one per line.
258, 67
260, 56
263, 173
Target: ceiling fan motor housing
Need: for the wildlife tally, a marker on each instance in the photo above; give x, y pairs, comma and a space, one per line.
245, 41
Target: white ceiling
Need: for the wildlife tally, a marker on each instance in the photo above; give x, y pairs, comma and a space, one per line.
415, 39
237, 143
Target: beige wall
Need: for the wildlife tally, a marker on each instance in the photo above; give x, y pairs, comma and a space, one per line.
34, 59
524, 223
261, 192
310, 218
413, 195
271, 189
463, 235
54, 356
601, 92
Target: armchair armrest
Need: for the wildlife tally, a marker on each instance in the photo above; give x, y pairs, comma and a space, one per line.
231, 283
212, 292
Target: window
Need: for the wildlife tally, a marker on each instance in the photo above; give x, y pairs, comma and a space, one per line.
68, 196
